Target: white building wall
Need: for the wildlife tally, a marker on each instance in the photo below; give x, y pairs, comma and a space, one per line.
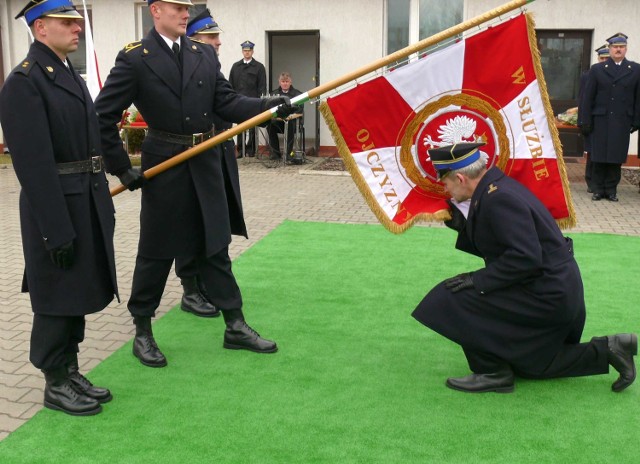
352, 32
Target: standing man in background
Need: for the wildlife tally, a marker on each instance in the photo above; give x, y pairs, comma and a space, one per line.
603, 55
195, 299
248, 77
610, 113
176, 84
66, 213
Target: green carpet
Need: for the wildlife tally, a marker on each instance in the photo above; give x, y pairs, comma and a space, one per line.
356, 380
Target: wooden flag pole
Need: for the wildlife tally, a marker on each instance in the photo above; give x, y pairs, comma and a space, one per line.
334, 84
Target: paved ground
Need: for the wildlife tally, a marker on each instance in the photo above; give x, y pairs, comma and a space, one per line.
270, 195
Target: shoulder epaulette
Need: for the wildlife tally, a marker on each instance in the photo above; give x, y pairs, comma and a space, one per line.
24, 67
132, 46
198, 41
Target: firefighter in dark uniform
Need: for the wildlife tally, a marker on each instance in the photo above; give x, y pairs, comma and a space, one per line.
248, 77
610, 113
66, 213
176, 84
195, 298
603, 55
524, 312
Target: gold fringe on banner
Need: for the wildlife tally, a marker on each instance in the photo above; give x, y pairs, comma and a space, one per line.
568, 222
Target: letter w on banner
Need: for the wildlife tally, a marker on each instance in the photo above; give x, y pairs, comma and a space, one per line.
488, 87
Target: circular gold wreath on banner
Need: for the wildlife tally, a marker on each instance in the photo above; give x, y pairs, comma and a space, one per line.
406, 159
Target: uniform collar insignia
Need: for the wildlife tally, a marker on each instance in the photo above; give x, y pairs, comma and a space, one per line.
50, 69
25, 64
492, 188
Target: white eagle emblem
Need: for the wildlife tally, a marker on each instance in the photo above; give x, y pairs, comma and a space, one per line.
456, 130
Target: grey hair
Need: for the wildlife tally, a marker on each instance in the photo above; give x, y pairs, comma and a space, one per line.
476, 168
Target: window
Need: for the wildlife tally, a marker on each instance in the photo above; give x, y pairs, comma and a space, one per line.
79, 57
146, 21
409, 21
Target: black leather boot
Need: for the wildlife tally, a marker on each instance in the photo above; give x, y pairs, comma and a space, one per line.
61, 394
144, 345
193, 301
239, 336
499, 382
622, 349
103, 395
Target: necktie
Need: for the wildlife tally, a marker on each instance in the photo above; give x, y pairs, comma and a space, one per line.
176, 48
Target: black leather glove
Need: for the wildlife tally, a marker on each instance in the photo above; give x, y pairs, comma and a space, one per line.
459, 282
132, 179
457, 220
285, 108
62, 256
586, 129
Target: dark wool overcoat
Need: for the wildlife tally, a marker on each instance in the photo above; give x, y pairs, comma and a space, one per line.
184, 209
528, 298
611, 105
48, 117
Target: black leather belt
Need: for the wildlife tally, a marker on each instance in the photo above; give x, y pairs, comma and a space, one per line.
93, 165
189, 140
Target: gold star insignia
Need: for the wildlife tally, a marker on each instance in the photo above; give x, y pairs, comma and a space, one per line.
492, 188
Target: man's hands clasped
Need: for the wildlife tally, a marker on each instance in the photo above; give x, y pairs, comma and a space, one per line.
63, 255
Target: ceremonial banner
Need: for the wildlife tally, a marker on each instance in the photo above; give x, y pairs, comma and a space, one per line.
488, 87
93, 76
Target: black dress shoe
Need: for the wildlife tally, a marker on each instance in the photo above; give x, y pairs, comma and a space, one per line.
499, 382
145, 347
83, 385
193, 301
612, 197
596, 197
60, 394
239, 336
622, 349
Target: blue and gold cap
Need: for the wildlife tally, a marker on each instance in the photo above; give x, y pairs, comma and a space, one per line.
203, 24
452, 157
36, 9
603, 51
179, 2
247, 45
618, 39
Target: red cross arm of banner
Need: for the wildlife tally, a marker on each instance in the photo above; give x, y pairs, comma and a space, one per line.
321, 89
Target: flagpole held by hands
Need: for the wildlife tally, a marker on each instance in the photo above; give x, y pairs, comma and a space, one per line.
329, 86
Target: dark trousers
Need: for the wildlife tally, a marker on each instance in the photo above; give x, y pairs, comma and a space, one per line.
250, 142
588, 169
275, 128
605, 178
186, 267
573, 360
150, 277
53, 337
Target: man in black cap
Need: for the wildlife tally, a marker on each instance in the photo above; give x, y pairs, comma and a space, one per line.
66, 213
610, 112
248, 77
177, 86
523, 313
195, 299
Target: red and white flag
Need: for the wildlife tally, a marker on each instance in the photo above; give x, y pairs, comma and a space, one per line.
488, 87
94, 84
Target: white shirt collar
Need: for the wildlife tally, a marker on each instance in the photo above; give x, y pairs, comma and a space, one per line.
169, 42
248, 61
